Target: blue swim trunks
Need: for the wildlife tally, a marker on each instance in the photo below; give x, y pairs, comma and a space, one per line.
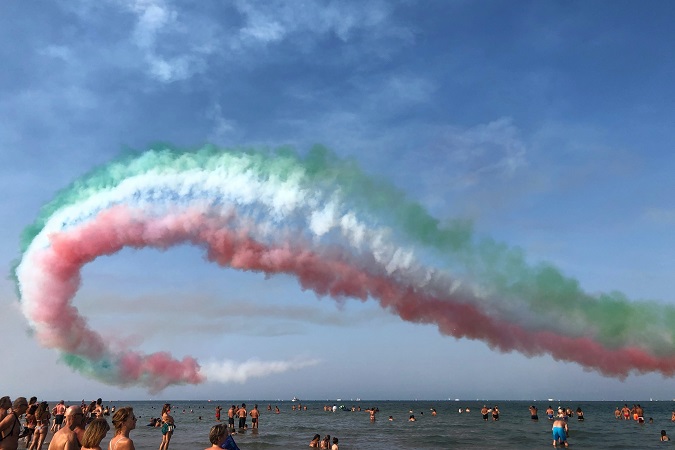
559, 433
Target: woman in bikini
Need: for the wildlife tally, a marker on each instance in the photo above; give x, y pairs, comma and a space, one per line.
31, 422
10, 426
167, 427
42, 417
124, 421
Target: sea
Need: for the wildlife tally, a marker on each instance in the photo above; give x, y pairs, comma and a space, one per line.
448, 429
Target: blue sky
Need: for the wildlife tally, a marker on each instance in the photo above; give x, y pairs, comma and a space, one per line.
547, 124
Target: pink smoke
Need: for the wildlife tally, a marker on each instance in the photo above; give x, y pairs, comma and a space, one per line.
332, 272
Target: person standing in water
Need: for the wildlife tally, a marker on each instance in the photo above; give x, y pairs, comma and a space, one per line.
241, 412
255, 414
559, 432
168, 426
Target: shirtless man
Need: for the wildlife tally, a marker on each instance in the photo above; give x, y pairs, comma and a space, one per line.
549, 412
254, 416
10, 426
559, 432
67, 437
640, 414
241, 413
230, 416
59, 412
533, 413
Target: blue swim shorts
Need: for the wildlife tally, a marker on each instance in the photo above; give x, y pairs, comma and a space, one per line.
559, 433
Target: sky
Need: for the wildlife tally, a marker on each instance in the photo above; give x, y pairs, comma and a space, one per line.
546, 125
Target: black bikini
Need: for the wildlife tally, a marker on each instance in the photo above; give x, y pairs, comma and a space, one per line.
11, 432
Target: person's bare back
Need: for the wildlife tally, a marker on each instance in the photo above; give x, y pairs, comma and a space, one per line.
64, 439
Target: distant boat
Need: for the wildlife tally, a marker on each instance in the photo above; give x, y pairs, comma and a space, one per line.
295, 399
550, 399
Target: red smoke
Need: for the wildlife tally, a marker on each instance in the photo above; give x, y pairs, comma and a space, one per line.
332, 272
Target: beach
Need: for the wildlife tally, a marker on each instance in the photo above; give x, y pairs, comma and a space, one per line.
448, 429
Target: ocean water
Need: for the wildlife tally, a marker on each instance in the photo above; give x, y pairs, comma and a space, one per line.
448, 429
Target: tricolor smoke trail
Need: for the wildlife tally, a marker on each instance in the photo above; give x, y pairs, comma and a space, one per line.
341, 234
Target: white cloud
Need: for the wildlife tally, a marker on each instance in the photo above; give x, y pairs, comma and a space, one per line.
271, 21
173, 50
491, 149
177, 42
152, 17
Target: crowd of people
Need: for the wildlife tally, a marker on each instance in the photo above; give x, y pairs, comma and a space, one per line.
324, 443
636, 412
74, 427
240, 413
84, 426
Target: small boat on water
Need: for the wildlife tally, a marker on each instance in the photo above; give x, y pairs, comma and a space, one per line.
295, 399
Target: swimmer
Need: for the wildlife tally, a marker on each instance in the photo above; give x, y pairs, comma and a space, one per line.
640, 413
559, 432
549, 412
255, 415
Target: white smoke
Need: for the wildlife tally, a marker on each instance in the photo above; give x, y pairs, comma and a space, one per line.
230, 371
